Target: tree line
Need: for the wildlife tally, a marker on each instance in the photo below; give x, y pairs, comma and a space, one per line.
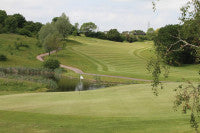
17, 24
89, 30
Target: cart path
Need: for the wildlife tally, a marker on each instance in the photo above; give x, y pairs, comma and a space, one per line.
78, 71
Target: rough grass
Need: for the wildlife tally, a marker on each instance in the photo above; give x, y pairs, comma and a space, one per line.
113, 58
24, 57
122, 109
12, 86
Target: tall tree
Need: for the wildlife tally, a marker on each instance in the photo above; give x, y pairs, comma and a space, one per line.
63, 25
88, 27
45, 31
52, 42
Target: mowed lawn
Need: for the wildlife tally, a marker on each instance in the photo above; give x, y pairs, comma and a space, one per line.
121, 109
114, 58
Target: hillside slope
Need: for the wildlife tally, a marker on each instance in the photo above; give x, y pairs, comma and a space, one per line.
24, 56
119, 59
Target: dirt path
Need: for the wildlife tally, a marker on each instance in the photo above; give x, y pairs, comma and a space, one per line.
76, 70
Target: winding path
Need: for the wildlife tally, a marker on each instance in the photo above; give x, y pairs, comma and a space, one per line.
78, 71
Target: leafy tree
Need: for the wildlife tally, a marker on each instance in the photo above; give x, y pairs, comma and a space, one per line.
187, 96
114, 35
37, 26
20, 20
45, 31
88, 27
52, 42
150, 34
51, 64
29, 25
172, 49
76, 30
3, 16
55, 19
63, 25
11, 24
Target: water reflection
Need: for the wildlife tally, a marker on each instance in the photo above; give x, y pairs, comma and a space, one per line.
73, 84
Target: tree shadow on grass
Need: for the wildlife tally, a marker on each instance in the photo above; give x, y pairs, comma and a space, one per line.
73, 42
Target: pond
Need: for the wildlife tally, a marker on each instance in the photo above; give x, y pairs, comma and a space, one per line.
74, 84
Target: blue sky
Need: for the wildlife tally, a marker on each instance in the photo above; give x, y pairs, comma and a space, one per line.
124, 15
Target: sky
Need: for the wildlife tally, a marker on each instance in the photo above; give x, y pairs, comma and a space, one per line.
124, 15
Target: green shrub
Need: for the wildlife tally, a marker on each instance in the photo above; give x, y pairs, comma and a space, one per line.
24, 32
3, 58
51, 64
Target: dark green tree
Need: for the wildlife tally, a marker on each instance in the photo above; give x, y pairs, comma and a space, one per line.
3, 16
11, 24
20, 20
114, 35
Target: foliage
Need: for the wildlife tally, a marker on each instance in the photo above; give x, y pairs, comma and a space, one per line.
3, 57
51, 64
52, 42
17, 24
189, 98
25, 32
11, 24
150, 34
3, 16
169, 46
63, 25
155, 67
20, 20
114, 35
75, 30
88, 27
186, 38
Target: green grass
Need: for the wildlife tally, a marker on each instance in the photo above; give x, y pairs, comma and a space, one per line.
113, 58
24, 57
122, 109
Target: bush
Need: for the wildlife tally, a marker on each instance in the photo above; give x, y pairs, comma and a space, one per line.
51, 64
24, 32
3, 58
